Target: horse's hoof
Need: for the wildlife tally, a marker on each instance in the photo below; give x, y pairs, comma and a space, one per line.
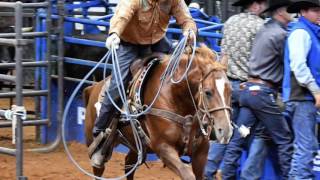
97, 159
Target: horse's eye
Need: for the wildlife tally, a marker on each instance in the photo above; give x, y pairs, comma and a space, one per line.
208, 93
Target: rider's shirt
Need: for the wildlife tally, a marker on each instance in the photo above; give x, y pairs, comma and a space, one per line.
146, 21
238, 35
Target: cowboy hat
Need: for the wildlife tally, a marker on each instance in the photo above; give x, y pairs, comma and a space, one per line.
275, 4
297, 5
244, 2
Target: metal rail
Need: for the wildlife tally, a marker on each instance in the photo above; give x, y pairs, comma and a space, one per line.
16, 40
31, 93
27, 123
27, 34
24, 64
9, 78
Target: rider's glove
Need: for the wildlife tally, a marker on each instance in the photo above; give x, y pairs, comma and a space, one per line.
189, 34
113, 40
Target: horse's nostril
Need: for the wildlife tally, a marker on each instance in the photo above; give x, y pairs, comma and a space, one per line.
220, 131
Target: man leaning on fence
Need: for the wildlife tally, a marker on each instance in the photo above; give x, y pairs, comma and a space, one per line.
137, 27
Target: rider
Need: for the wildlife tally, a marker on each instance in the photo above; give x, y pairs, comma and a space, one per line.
137, 28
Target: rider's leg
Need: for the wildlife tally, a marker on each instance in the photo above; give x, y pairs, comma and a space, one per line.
127, 53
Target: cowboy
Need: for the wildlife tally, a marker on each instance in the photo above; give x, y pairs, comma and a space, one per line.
301, 85
238, 34
137, 27
258, 94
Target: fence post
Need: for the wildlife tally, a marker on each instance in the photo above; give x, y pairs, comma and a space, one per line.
61, 12
19, 85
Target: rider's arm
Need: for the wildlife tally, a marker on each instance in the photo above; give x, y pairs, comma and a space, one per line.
181, 12
123, 14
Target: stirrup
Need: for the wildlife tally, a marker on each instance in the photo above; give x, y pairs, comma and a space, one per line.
97, 159
97, 141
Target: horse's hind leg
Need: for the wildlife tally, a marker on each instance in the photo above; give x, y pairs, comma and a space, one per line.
199, 159
98, 171
170, 157
131, 160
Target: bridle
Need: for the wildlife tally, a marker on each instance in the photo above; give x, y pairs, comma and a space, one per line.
202, 108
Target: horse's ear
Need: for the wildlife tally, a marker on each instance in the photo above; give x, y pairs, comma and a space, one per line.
224, 60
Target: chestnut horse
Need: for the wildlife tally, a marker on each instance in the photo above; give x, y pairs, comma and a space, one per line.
207, 84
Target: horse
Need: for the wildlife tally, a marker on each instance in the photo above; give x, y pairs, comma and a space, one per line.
207, 84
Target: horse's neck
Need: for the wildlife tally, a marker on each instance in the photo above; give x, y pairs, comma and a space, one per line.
180, 98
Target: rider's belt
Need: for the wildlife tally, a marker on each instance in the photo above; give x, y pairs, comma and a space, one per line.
260, 81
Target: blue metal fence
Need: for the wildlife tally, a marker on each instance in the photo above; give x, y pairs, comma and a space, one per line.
209, 30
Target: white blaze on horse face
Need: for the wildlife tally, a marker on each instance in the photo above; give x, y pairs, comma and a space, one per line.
220, 84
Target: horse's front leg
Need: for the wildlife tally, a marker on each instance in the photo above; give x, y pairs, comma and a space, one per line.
199, 159
170, 158
130, 161
98, 171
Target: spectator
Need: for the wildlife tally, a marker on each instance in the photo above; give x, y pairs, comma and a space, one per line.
238, 34
301, 90
258, 94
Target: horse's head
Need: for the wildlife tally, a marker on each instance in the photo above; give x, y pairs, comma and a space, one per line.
214, 93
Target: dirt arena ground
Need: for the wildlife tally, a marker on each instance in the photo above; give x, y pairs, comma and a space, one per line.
56, 165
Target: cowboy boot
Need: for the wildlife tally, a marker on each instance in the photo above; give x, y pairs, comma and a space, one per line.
104, 149
101, 132
97, 159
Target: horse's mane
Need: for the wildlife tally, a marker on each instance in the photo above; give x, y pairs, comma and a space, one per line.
205, 57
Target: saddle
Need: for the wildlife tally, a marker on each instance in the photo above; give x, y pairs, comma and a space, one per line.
140, 69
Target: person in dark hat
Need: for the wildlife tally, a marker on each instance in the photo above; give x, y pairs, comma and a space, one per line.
301, 85
238, 33
258, 94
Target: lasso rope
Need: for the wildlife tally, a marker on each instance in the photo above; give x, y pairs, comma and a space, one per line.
170, 70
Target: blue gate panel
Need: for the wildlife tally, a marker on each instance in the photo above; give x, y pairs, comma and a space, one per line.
75, 122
